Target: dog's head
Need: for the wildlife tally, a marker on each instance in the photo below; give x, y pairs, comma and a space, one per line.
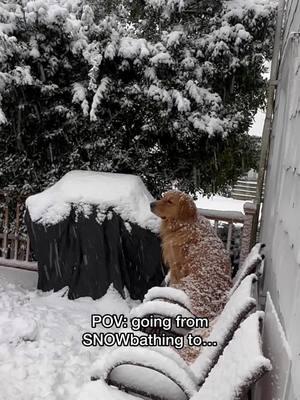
175, 206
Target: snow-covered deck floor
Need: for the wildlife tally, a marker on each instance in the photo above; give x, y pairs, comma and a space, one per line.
220, 203
41, 355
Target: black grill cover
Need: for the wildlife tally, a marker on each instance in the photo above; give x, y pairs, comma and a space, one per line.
88, 256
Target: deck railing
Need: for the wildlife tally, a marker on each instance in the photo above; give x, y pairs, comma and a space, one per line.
231, 218
14, 241
15, 244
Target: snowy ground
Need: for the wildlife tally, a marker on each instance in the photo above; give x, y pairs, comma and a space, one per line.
41, 354
220, 203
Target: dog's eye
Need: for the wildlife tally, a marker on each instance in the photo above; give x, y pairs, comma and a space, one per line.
170, 201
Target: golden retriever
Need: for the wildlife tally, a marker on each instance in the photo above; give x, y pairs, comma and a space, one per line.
197, 260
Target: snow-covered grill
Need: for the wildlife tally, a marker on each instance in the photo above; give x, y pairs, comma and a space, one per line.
92, 229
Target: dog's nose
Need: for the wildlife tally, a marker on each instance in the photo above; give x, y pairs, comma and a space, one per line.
152, 205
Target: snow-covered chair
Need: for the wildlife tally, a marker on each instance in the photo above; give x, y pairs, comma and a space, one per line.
164, 302
241, 365
239, 305
252, 264
179, 303
235, 311
169, 294
162, 375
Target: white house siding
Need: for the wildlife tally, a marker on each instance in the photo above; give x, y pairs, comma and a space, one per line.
281, 212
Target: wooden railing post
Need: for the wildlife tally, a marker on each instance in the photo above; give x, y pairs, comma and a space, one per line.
5, 232
12, 242
229, 236
17, 228
249, 211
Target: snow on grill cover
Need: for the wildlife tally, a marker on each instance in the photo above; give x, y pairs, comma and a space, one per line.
91, 229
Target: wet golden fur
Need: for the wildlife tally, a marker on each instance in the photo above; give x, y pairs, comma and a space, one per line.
196, 257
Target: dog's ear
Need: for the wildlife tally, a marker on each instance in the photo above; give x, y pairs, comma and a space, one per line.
187, 209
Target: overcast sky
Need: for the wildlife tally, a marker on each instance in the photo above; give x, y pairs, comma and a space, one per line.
258, 124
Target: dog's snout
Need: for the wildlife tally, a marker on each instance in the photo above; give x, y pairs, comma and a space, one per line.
152, 205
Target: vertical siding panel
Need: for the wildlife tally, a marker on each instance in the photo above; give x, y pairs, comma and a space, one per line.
281, 212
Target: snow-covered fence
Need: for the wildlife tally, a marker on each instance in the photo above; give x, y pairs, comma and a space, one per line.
235, 217
14, 241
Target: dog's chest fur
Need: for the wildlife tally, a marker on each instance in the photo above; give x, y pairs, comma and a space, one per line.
175, 243
178, 239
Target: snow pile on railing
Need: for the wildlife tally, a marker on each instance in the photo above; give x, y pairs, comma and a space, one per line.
124, 194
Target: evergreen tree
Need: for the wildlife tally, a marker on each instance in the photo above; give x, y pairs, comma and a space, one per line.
165, 89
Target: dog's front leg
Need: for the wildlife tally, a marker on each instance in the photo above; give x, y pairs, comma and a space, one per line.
175, 274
